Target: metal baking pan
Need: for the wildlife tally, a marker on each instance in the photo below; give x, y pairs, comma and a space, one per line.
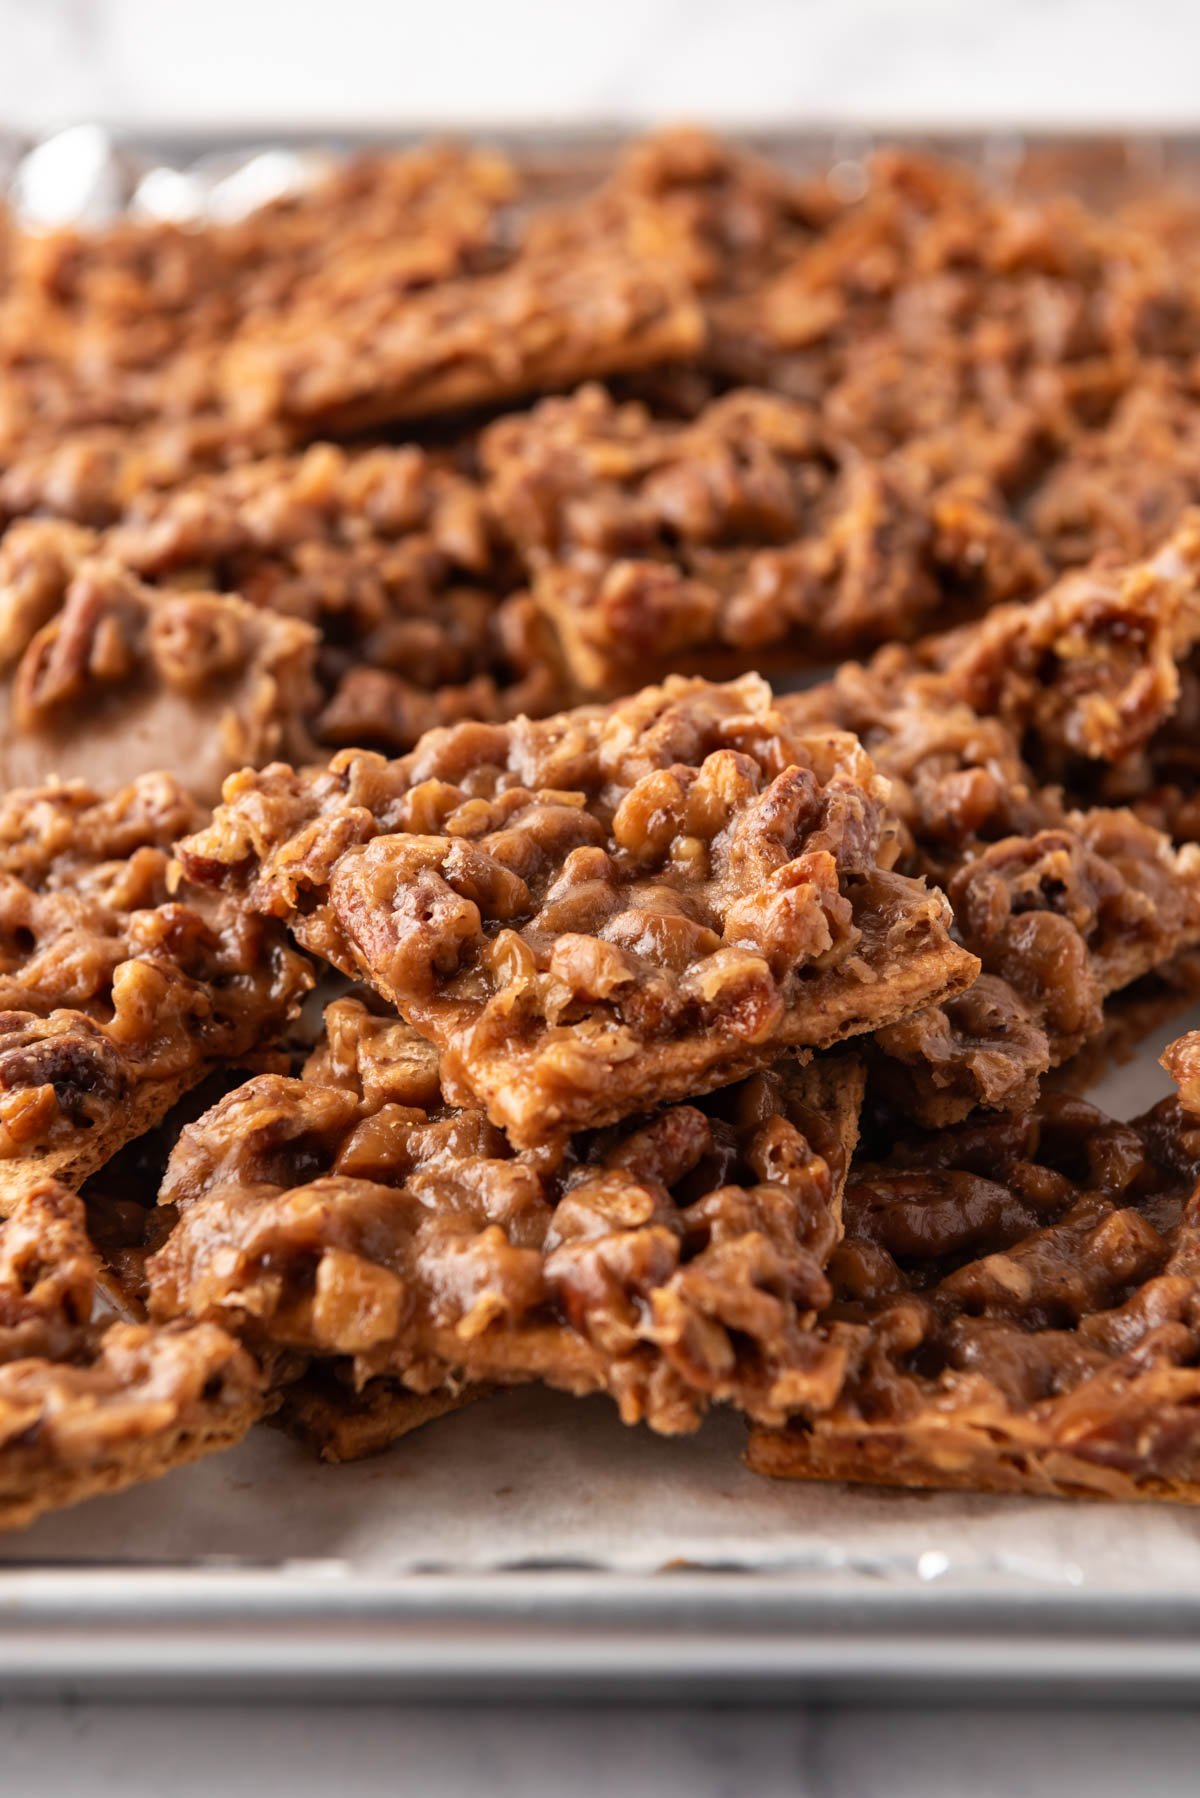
529, 1545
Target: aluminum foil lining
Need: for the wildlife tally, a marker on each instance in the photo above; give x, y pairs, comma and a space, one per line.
88, 175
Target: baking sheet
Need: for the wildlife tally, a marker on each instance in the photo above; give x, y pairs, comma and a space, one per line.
89, 173
530, 1543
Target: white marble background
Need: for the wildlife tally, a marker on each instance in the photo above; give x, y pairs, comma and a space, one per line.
422, 61
379, 62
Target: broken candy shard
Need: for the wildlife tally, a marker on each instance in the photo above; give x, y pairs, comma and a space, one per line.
352, 1219
609, 909
1017, 1302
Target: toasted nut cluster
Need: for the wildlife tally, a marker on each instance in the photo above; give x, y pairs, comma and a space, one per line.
615, 906
1017, 1304
86, 1408
1182, 1062
749, 532
1091, 670
673, 1263
390, 555
116, 993
1062, 907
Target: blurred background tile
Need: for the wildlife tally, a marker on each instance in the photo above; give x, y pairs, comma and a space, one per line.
370, 62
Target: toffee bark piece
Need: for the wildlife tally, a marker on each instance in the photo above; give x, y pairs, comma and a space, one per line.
1121, 486
673, 1262
103, 670
124, 1220
1018, 1304
616, 907
373, 602
118, 992
746, 537
1063, 906
91, 474
320, 1407
1137, 1013
87, 1409
1115, 713
1091, 670
932, 304
1060, 920
390, 555
551, 318
734, 216
126, 326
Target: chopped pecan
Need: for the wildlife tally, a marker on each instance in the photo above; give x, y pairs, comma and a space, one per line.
198, 683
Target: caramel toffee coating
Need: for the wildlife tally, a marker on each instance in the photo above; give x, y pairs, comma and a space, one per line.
1017, 1303
86, 1408
747, 533
101, 666
673, 1262
1062, 906
117, 991
612, 908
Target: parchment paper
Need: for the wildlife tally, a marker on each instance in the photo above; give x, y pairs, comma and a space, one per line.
533, 1479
